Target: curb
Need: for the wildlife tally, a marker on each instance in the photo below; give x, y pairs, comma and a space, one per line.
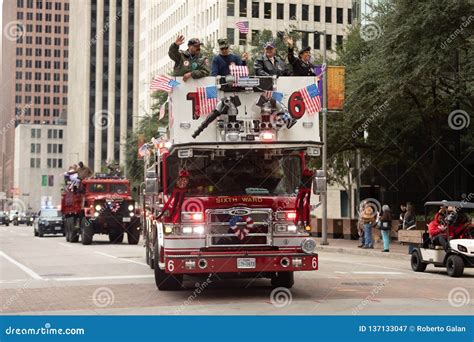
372, 253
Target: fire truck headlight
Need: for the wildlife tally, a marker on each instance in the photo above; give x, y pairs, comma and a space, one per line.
198, 230
187, 230
168, 229
292, 228
98, 207
96, 214
130, 207
308, 245
132, 214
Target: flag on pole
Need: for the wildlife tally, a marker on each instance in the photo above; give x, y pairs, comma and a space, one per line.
206, 101
44, 180
163, 83
239, 70
242, 26
311, 98
276, 95
51, 180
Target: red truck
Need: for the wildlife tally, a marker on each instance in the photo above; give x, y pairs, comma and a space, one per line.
228, 193
101, 205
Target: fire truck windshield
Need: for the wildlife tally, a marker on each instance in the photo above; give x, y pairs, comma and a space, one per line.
246, 173
97, 187
119, 188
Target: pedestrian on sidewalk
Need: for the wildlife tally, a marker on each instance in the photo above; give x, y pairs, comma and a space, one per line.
385, 225
368, 220
360, 225
403, 210
409, 219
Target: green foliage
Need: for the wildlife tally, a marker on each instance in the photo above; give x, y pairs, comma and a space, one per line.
402, 85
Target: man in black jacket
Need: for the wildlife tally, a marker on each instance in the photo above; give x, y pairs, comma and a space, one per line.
270, 64
301, 65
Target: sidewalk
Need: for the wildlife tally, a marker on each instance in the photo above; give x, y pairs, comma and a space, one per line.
397, 251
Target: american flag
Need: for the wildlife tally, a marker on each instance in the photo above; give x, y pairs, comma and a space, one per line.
274, 94
207, 100
311, 98
239, 70
163, 83
242, 26
143, 150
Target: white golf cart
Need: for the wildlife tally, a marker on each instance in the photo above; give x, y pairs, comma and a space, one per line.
460, 251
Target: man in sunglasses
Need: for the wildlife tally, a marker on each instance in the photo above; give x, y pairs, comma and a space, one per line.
220, 63
189, 63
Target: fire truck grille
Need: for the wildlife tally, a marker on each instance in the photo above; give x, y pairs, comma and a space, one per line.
256, 232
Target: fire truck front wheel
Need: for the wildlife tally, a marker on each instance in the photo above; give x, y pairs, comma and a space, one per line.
283, 279
87, 231
116, 235
165, 281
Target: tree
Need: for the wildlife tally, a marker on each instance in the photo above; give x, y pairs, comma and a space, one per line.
404, 78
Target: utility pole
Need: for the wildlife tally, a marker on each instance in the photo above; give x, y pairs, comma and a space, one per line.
324, 112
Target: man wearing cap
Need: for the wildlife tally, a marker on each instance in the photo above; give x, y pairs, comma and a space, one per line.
220, 63
189, 63
301, 65
270, 64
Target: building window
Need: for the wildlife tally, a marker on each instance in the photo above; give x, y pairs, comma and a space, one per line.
242, 38
230, 8
32, 163
60, 163
60, 134
49, 163
349, 16
60, 148
267, 10
328, 14
328, 42
255, 36
242, 8
339, 15
317, 42
305, 12
280, 11
339, 41
255, 9
230, 35
292, 12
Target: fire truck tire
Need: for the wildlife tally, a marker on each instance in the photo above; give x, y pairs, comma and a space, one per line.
283, 279
67, 229
74, 234
115, 236
133, 236
165, 281
87, 232
148, 253
36, 233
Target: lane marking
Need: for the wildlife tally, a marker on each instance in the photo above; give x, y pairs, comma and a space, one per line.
106, 277
65, 244
362, 264
119, 258
25, 269
375, 272
14, 281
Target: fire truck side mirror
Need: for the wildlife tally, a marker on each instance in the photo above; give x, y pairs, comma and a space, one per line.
319, 182
151, 183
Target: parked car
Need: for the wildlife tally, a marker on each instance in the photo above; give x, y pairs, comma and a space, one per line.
48, 221
4, 218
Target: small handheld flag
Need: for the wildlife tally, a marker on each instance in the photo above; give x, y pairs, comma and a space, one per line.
311, 98
242, 26
163, 83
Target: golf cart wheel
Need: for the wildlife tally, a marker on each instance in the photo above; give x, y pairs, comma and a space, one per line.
455, 266
417, 264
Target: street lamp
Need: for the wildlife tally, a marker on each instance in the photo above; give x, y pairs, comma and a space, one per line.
324, 111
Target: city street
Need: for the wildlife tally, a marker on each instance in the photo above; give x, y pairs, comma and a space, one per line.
50, 276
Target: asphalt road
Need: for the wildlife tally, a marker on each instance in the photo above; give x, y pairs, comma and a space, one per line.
51, 276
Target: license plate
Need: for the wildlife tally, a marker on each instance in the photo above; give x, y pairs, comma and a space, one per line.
58, 228
126, 219
246, 263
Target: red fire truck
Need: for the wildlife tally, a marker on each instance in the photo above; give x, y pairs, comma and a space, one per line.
101, 205
228, 193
